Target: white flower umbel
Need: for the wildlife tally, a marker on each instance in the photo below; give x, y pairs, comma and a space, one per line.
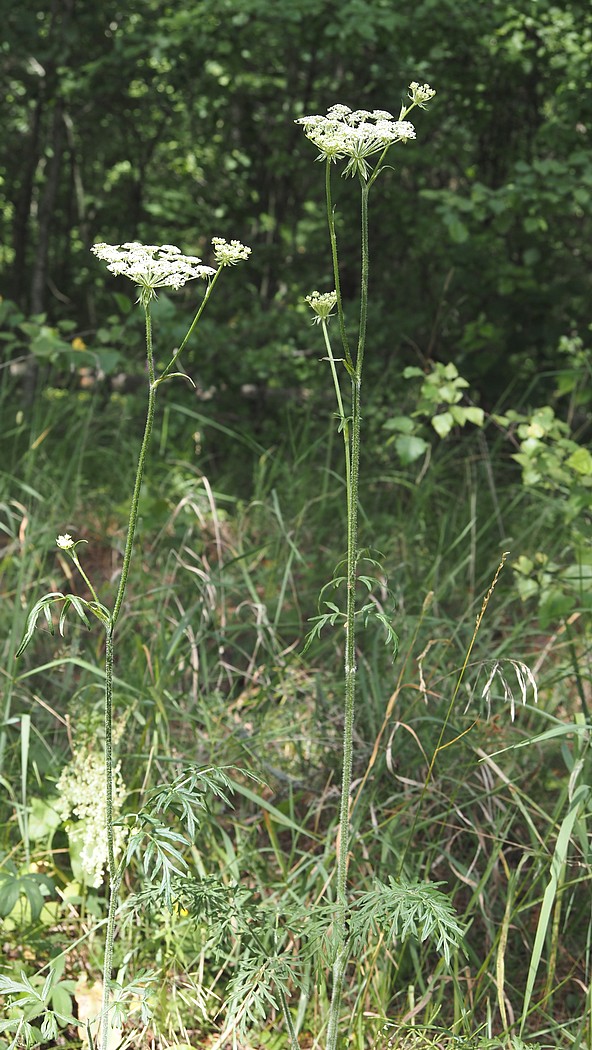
420, 94
321, 305
151, 266
362, 133
82, 802
229, 253
357, 134
65, 542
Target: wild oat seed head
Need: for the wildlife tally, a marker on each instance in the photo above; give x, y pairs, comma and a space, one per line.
151, 266
524, 677
229, 253
321, 305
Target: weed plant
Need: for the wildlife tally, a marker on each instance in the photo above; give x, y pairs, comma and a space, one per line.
315, 895
150, 268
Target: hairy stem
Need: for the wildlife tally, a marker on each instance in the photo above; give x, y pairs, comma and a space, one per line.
114, 876
350, 670
294, 1044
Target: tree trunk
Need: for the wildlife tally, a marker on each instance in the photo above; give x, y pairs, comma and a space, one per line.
22, 210
46, 209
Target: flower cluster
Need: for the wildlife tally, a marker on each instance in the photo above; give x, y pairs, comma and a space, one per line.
357, 134
151, 266
82, 796
65, 543
321, 305
229, 253
420, 94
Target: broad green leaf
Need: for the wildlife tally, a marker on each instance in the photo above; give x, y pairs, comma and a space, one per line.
410, 447
580, 461
42, 819
475, 415
402, 424
9, 895
458, 231
34, 896
442, 424
555, 605
62, 1003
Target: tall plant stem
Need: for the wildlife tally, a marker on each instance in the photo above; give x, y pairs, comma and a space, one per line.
133, 515
350, 670
335, 259
114, 875
210, 288
344, 423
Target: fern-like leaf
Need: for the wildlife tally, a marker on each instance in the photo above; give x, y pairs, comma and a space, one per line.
321, 622
406, 909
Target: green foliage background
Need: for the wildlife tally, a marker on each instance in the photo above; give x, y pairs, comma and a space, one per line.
160, 122
170, 122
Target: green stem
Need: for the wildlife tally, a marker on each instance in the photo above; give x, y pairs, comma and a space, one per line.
294, 1044
333, 239
114, 875
365, 265
344, 422
350, 670
201, 309
76, 561
133, 515
109, 748
114, 878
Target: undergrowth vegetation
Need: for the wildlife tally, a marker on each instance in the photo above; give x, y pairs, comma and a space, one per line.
443, 888
211, 637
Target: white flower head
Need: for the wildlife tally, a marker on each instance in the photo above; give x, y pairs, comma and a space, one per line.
229, 253
420, 94
65, 542
82, 802
354, 134
151, 266
321, 305
404, 130
338, 112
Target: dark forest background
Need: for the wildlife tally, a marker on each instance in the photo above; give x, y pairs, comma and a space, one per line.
171, 123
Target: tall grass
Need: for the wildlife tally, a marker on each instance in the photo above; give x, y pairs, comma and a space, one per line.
490, 833
445, 786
